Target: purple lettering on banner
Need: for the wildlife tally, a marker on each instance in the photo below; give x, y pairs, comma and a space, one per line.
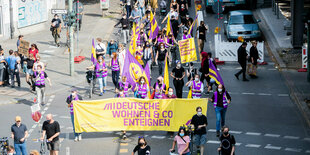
116, 114
125, 122
152, 106
137, 121
163, 114
106, 106
119, 105
157, 106
161, 121
142, 122
145, 108
125, 105
167, 122
130, 105
170, 114
156, 114
124, 113
131, 122
155, 122
140, 105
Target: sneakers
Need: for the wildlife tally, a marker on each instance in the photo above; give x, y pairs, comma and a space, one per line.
76, 139
80, 137
100, 94
217, 133
103, 91
237, 76
124, 136
245, 80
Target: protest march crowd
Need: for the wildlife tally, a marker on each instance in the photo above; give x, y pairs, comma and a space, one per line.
145, 46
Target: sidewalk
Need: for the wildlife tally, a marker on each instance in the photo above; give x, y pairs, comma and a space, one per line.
57, 58
288, 64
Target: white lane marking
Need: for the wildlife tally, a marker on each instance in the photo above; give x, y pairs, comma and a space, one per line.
45, 56
34, 126
268, 146
284, 95
43, 112
67, 136
292, 149
48, 104
272, 135
30, 131
66, 117
146, 135
238, 144
67, 150
253, 145
233, 93
235, 132
213, 142
307, 139
263, 94
212, 130
253, 133
248, 93
61, 127
69, 128
45, 108
158, 137
272, 69
291, 137
50, 100
52, 47
48, 51
308, 151
53, 96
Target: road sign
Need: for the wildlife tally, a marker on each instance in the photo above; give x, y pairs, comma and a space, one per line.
79, 7
59, 11
218, 7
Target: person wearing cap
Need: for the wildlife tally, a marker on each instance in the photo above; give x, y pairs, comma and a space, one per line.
178, 74
56, 29
159, 87
19, 134
242, 59
2, 66
74, 96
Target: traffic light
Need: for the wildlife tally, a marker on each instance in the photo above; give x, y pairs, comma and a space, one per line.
71, 18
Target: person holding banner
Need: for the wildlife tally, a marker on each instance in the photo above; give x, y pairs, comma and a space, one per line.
142, 148
220, 99
74, 96
182, 140
196, 86
160, 58
178, 73
141, 88
170, 94
159, 88
200, 122
124, 85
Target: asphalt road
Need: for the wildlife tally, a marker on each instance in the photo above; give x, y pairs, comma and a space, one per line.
262, 117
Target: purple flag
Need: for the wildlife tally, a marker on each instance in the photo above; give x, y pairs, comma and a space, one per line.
214, 74
133, 70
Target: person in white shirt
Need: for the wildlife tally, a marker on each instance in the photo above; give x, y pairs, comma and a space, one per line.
100, 48
121, 57
170, 14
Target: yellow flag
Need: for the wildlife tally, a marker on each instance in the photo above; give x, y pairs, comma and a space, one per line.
189, 93
132, 45
168, 26
166, 74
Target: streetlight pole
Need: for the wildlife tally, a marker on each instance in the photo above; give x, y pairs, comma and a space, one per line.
308, 51
71, 59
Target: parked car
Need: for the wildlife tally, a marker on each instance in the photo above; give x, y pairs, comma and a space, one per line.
226, 3
241, 23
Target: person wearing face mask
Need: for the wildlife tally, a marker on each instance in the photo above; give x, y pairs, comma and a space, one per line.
100, 48
178, 73
142, 38
205, 68
2, 66
170, 43
136, 14
141, 88
124, 85
114, 64
148, 55
29, 72
170, 14
160, 58
183, 13
199, 122
159, 87
51, 130
228, 142
101, 71
196, 86
142, 148
185, 34
182, 140
40, 77
191, 71
74, 96
19, 133
37, 63
170, 94
174, 5
220, 99
112, 47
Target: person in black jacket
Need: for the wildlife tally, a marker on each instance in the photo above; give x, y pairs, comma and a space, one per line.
242, 58
205, 68
125, 27
253, 57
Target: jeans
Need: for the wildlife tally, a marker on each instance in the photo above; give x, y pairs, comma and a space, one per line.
72, 120
40, 94
115, 76
220, 113
178, 85
13, 73
126, 35
161, 64
102, 82
20, 149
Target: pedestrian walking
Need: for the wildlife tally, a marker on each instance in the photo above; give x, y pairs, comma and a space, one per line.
51, 130
112, 47
174, 5
253, 59
159, 88
125, 27
242, 59
220, 99
37, 63
115, 67
201, 31
2, 66
141, 5
74, 96
136, 14
205, 68
182, 140
19, 134
196, 86
141, 88
12, 61
121, 56
17, 68
29, 72
100, 48
169, 45
182, 13
33, 50
20, 38
56, 29
142, 148
228, 142
22, 57
128, 7
148, 55
178, 74
124, 85
170, 94
101, 73
40, 77
160, 58
191, 71
200, 122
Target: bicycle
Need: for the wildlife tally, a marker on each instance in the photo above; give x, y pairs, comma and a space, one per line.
4, 144
42, 147
91, 77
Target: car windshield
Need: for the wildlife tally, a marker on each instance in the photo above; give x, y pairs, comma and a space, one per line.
241, 19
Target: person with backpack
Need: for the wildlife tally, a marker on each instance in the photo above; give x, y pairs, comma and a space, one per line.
228, 142
40, 77
74, 96
182, 140
100, 48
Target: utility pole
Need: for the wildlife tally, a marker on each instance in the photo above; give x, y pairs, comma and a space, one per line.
71, 59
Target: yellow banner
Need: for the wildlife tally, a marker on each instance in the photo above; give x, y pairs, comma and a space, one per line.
132, 114
187, 50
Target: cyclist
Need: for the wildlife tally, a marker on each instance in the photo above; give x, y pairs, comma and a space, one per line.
56, 29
